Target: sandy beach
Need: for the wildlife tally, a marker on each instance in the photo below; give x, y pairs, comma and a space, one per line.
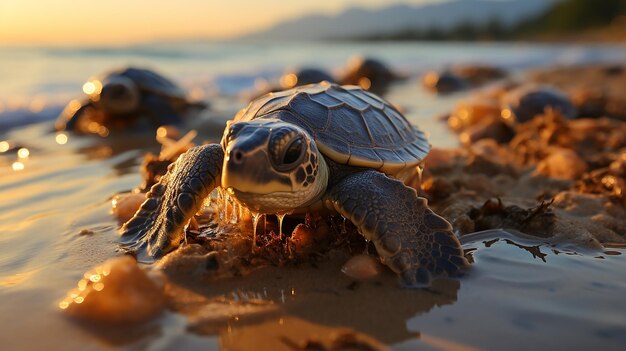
538, 206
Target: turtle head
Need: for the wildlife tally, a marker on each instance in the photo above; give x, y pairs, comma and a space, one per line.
271, 166
119, 96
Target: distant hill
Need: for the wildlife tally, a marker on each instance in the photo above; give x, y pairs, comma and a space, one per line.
359, 22
569, 16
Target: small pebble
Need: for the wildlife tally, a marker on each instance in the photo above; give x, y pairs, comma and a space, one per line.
116, 292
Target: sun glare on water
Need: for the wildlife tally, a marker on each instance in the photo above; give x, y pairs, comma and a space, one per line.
17, 166
23, 153
61, 139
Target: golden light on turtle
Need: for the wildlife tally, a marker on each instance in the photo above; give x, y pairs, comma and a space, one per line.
161, 134
167, 131
64, 304
4, 146
114, 203
23, 153
17, 166
94, 278
103, 131
365, 83
61, 138
89, 88
93, 127
507, 114
104, 271
289, 80
74, 105
82, 284
92, 87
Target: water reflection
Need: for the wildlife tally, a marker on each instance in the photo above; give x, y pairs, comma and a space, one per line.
17, 166
313, 298
531, 244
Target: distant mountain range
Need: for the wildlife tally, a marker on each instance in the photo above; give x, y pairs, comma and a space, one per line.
359, 22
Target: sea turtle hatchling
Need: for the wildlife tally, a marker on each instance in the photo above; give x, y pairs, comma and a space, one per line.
319, 147
119, 98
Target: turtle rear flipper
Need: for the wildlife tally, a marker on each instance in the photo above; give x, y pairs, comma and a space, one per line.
158, 225
411, 239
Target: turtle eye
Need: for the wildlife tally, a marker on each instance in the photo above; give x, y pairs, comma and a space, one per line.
116, 91
293, 152
288, 154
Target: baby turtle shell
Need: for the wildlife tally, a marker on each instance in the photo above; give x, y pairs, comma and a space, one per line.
526, 102
350, 126
116, 99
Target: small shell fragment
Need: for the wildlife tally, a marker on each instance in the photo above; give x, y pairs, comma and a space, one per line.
362, 267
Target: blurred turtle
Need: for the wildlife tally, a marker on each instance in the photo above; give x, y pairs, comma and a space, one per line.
304, 76
522, 104
121, 98
369, 74
291, 79
461, 78
444, 82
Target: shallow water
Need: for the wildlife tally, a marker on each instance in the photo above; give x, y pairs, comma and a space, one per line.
55, 223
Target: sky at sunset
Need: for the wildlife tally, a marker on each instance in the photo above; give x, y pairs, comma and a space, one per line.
126, 21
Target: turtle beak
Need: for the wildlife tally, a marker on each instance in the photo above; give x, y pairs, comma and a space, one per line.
119, 95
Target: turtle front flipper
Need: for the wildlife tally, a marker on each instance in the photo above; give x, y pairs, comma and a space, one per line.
410, 238
158, 225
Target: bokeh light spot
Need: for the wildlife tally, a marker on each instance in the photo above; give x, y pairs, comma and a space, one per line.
23, 153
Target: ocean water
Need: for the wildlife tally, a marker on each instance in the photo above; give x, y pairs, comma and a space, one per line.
519, 295
33, 77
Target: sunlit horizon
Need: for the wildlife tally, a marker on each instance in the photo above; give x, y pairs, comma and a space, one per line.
66, 22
